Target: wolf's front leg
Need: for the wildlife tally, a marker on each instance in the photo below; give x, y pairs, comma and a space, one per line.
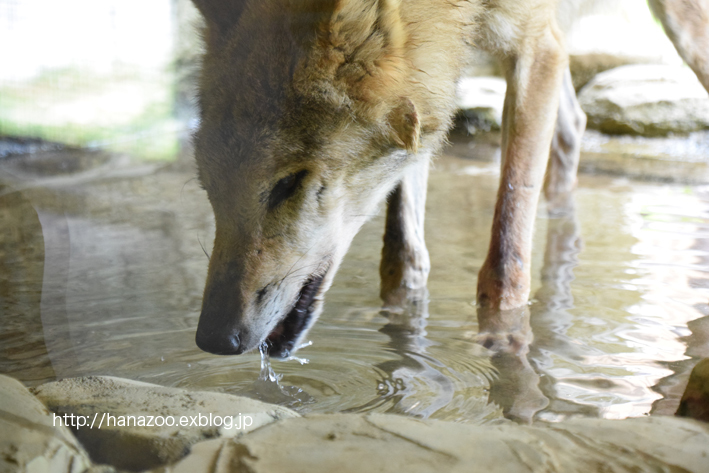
405, 264
534, 76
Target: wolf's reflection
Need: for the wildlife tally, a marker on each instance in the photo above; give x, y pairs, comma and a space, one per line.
518, 357
516, 387
523, 343
522, 340
407, 339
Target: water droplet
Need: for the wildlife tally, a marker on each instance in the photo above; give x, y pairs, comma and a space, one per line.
302, 361
267, 373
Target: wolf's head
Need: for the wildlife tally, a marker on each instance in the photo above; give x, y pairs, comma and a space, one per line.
310, 112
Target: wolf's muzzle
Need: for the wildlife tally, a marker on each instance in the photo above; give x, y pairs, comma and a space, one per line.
222, 342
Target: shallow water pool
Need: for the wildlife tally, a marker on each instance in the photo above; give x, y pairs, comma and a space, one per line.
102, 271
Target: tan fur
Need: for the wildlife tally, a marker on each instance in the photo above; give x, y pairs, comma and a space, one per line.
313, 111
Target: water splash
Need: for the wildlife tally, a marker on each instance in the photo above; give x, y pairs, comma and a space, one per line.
267, 373
302, 361
268, 387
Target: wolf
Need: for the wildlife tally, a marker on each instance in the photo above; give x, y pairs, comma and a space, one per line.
313, 112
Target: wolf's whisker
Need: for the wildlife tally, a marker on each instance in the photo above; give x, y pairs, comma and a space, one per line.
297, 261
296, 272
205, 251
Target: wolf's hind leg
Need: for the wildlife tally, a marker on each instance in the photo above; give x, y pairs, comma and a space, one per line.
405, 264
565, 146
534, 77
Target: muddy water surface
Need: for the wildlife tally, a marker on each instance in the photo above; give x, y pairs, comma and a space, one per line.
102, 271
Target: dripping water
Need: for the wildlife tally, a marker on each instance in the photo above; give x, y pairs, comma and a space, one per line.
269, 388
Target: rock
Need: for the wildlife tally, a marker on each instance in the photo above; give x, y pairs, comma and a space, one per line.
602, 35
133, 443
585, 66
630, 36
480, 101
353, 442
384, 443
695, 401
29, 439
646, 100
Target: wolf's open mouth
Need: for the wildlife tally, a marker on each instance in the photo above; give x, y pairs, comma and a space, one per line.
283, 337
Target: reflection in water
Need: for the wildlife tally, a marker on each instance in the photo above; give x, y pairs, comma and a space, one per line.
23, 349
696, 337
103, 273
416, 383
401, 380
531, 346
33, 277
522, 341
516, 388
550, 316
395, 378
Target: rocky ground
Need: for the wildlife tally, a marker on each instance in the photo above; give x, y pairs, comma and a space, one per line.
34, 435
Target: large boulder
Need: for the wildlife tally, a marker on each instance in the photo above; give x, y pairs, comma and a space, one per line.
384, 443
32, 439
137, 426
647, 100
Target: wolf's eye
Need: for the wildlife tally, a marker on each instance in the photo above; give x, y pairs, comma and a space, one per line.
285, 188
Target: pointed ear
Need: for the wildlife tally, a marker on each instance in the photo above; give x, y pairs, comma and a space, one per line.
405, 125
221, 15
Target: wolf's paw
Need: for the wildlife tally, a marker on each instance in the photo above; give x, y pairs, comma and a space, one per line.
505, 331
403, 298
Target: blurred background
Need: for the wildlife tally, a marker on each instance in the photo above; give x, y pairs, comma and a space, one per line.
114, 75
119, 75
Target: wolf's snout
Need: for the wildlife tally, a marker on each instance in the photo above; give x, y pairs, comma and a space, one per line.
220, 330
218, 342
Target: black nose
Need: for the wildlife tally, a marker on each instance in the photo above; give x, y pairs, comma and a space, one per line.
219, 330
219, 342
